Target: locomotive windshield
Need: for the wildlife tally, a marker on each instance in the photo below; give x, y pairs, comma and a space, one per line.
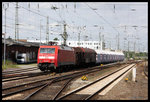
47, 50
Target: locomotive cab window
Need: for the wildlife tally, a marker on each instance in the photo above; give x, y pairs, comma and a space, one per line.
47, 50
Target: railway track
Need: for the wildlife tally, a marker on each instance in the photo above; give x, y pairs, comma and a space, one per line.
10, 75
41, 84
65, 85
20, 88
69, 78
19, 70
13, 77
105, 66
98, 90
16, 73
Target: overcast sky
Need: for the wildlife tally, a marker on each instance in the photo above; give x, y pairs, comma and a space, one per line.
111, 16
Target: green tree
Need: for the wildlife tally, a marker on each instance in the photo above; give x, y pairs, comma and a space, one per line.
56, 39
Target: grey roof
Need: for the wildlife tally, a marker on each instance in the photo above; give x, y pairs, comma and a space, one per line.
10, 42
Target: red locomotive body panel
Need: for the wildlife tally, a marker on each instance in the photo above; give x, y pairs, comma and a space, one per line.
52, 57
48, 54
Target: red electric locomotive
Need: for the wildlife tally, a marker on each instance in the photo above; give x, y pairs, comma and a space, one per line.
54, 57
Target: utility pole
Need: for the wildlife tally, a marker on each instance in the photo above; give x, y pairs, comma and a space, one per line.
47, 30
40, 32
100, 38
114, 8
128, 50
79, 36
64, 35
134, 48
103, 43
135, 36
118, 41
124, 43
16, 23
5, 7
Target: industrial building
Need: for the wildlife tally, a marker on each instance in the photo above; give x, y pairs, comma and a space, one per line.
15, 47
96, 45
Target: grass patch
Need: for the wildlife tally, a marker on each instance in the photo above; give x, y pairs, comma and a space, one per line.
9, 64
32, 64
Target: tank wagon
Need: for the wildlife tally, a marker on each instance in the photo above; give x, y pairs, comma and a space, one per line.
57, 57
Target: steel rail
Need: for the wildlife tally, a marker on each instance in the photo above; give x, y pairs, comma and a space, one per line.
11, 79
5, 72
54, 98
90, 83
24, 76
43, 86
25, 89
84, 70
21, 71
12, 93
15, 92
108, 84
76, 74
56, 80
49, 83
17, 75
107, 65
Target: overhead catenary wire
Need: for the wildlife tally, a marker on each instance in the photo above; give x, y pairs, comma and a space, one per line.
37, 13
18, 24
102, 18
28, 19
68, 13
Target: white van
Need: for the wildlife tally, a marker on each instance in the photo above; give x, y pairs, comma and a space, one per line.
23, 58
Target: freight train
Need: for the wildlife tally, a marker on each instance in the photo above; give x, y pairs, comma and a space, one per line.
59, 56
